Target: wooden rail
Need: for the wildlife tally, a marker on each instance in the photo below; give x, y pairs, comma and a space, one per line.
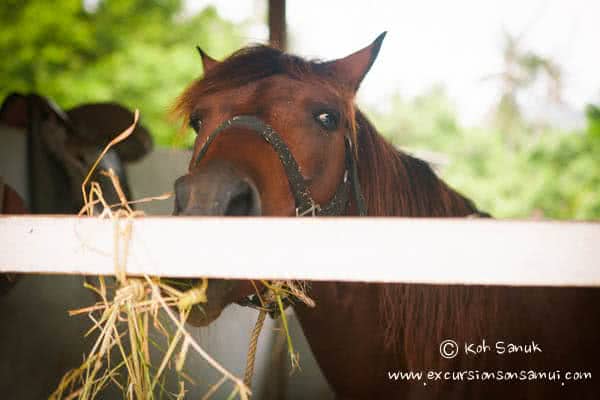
437, 251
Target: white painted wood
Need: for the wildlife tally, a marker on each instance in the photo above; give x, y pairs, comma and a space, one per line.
440, 251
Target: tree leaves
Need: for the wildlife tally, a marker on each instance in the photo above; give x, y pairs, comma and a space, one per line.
548, 173
140, 53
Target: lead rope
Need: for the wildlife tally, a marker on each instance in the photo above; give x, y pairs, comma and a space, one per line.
249, 372
253, 345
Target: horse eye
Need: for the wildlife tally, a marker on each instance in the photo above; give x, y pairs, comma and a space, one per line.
195, 123
327, 120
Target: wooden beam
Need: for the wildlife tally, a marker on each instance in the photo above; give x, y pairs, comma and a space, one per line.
437, 251
277, 24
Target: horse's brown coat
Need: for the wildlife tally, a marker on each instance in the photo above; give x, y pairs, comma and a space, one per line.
10, 203
358, 332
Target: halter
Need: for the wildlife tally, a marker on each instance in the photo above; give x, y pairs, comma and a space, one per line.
305, 204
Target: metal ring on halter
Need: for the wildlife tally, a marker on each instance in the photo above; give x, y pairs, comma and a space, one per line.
254, 302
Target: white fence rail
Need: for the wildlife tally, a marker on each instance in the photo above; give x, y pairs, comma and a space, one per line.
438, 251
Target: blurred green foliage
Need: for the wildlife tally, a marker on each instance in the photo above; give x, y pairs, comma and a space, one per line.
592, 113
140, 53
551, 174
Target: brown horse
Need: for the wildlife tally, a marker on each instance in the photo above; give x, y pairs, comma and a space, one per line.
280, 136
10, 203
61, 146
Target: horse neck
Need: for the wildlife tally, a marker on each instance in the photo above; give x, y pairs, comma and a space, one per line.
394, 184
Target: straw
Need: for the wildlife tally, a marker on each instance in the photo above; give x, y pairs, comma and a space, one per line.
131, 308
122, 319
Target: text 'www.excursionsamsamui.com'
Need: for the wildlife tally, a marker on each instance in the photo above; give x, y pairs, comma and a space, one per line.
556, 376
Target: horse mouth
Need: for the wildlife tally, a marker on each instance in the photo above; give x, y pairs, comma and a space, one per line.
204, 315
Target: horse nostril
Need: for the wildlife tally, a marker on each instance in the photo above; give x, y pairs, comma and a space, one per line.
243, 203
218, 189
181, 194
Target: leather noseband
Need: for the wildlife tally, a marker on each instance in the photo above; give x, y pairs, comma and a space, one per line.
305, 205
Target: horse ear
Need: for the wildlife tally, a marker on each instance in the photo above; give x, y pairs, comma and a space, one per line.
353, 68
207, 61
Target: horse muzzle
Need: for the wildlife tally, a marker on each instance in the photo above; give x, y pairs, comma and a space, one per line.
216, 189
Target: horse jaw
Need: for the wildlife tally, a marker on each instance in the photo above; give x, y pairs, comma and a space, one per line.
220, 293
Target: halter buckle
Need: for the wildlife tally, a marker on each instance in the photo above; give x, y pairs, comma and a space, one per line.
312, 210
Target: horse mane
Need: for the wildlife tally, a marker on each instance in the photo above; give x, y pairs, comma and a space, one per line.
397, 184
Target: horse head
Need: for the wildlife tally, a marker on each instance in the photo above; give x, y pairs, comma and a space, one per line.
275, 137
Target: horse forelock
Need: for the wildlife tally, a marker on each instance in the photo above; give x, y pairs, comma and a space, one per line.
254, 63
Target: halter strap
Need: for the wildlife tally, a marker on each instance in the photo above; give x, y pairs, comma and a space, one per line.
305, 205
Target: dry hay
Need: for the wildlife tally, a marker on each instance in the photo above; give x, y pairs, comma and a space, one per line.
130, 310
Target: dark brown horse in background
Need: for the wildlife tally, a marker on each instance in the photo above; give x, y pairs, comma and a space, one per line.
359, 333
45, 153
59, 147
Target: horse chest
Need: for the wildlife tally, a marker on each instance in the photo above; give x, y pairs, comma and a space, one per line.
345, 335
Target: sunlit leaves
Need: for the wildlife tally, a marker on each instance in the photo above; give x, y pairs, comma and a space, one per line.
137, 52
